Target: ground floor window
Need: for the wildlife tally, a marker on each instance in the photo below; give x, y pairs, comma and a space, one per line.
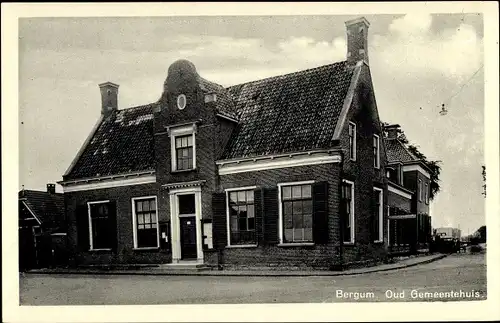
378, 215
297, 212
101, 231
145, 219
347, 213
241, 213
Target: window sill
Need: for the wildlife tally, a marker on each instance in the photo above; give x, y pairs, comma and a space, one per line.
183, 171
147, 249
242, 246
349, 243
100, 250
296, 244
378, 241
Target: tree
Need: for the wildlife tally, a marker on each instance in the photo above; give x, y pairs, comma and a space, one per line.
433, 165
484, 180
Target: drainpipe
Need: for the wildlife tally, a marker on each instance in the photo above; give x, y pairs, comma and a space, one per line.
341, 235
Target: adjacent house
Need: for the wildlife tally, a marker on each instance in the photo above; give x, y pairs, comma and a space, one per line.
287, 171
409, 182
42, 237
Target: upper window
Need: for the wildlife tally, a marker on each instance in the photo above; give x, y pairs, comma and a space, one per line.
241, 213
297, 212
400, 174
183, 147
145, 221
100, 225
352, 141
184, 152
376, 151
420, 190
347, 203
426, 193
378, 215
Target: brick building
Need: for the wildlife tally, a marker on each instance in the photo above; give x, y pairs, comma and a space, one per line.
287, 171
408, 193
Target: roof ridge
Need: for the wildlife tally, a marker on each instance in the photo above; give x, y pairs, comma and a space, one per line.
286, 74
137, 107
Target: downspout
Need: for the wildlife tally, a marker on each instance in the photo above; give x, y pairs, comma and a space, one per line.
341, 235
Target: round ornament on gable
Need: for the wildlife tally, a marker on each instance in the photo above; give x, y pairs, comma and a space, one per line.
181, 101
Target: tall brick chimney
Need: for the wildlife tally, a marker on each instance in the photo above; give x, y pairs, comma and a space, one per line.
357, 40
51, 188
109, 98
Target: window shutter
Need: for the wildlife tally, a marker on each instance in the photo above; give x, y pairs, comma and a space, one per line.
82, 227
219, 220
320, 212
259, 225
113, 229
271, 215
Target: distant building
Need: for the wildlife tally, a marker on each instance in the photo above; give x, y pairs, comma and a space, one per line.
408, 196
42, 235
448, 232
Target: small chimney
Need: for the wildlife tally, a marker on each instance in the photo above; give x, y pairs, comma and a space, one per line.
109, 98
392, 131
51, 188
357, 40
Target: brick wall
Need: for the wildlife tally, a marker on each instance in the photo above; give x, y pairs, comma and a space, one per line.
317, 256
411, 182
362, 172
399, 201
124, 252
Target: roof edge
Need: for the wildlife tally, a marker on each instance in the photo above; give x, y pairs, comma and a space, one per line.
84, 146
348, 100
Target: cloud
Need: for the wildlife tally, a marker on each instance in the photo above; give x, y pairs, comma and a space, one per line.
413, 48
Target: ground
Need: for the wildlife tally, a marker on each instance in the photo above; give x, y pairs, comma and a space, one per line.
461, 272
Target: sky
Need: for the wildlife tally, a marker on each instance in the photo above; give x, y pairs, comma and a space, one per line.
417, 62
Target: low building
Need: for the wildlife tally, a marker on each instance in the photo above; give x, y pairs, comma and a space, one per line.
287, 171
42, 237
408, 196
448, 232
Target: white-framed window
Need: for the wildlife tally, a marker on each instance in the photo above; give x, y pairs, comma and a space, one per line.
146, 231
352, 141
378, 216
296, 212
240, 210
376, 151
347, 200
100, 225
183, 147
426, 193
420, 190
401, 174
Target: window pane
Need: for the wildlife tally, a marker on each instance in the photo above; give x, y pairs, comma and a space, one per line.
297, 234
306, 191
178, 142
308, 221
308, 233
152, 204
250, 196
251, 224
297, 221
140, 219
153, 217
297, 207
288, 221
241, 196
288, 208
243, 223
234, 223
296, 192
186, 204
147, 218
145, 206
307, 207
287, 192
190, 141
184, 141
185, 164
288, 235
138, 205
233, 197
153, 225
242, 209
233, 210
250, 211
184, 153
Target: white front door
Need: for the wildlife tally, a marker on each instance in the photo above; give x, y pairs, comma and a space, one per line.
186, 226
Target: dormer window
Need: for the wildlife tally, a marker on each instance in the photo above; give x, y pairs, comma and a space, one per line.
183, 148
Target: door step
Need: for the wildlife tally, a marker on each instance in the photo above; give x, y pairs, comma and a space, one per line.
184, 266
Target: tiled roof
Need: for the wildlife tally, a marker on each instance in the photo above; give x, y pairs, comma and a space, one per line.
289, 113
397, 152
48, 207
123, 143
